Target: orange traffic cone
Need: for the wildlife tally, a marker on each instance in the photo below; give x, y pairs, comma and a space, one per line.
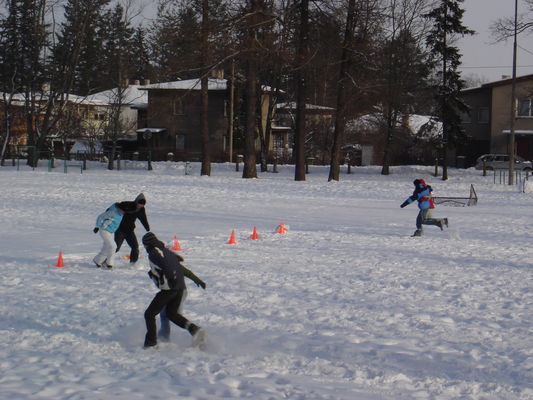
281, 228
176, 246
59, 263
254, 236
232, 238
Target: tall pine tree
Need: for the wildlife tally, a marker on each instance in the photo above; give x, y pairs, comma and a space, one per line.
446, 20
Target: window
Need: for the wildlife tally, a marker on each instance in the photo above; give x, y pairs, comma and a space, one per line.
180, 142
483, 115
177, 106
525, 108
465, 118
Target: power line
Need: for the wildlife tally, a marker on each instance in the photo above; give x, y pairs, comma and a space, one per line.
494, 66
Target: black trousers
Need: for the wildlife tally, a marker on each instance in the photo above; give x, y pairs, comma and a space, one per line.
131, 239
170, 299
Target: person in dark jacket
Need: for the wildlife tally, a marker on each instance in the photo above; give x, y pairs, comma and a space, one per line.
423, 195
126, 230
168, 275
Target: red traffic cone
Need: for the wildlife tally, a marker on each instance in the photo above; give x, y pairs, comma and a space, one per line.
232, 238
59, 263
176, 246
281, 228
254, 236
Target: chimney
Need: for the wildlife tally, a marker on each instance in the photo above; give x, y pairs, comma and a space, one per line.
147, 81
126, 83
136, 82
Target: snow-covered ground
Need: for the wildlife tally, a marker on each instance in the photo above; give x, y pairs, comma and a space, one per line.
346, 305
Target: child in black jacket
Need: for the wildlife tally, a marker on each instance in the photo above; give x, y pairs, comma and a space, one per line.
168, 275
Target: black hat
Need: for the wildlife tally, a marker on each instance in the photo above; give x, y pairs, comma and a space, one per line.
149, 239
140, 199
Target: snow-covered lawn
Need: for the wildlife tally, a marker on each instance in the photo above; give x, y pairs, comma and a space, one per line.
345, 306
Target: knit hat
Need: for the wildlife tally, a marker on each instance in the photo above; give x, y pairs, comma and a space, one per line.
419, 182
150, 239
140, 199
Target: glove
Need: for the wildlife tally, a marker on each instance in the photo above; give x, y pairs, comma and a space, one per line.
179, 257
95, 230
201, 284
404, 204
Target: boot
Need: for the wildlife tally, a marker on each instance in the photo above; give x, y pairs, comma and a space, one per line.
149, 343
198, 335
418, 232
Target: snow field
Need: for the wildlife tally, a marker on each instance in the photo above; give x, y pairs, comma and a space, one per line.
344, 306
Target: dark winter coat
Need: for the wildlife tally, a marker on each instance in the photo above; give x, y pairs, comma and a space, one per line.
166, 270
131, 213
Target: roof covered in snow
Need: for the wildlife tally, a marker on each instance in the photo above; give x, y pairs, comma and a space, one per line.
188, 84
130, 95
292, 106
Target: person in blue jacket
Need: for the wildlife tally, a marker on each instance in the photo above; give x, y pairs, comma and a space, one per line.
107, 224
422, 194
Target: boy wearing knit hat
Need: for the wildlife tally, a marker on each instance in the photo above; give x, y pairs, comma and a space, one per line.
167, 273
133, 210
423, 195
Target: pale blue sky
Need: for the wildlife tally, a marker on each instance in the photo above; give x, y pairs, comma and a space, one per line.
483, 58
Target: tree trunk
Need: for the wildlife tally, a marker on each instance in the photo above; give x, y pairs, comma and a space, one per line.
391, 125
301, 96
204, 112
249, 169
338, 136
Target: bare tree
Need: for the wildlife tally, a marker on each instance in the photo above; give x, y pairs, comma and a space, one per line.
249, 170
343, 82
204, 91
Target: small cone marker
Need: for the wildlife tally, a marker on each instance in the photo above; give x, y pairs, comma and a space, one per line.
176, 246
60, 260
254, 236
232, 238
281, 228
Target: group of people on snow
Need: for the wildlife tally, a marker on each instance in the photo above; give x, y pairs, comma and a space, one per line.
116, 224
167, 271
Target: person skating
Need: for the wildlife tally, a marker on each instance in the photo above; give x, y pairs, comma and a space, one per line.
168, 275
423, 195
107, 223
133, 210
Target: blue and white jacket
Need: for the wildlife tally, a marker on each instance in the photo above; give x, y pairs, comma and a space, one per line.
110, 219
422, 194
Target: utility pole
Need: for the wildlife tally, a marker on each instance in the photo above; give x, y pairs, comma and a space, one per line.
231, 111
513, 102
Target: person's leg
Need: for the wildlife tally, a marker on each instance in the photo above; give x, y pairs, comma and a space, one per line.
119, 239
103, 255
419, 221
131, 239
109, 247
429, 220
158, 303
196, 331
164, 330
172, 310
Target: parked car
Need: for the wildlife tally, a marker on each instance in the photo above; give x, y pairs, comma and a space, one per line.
501, 161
